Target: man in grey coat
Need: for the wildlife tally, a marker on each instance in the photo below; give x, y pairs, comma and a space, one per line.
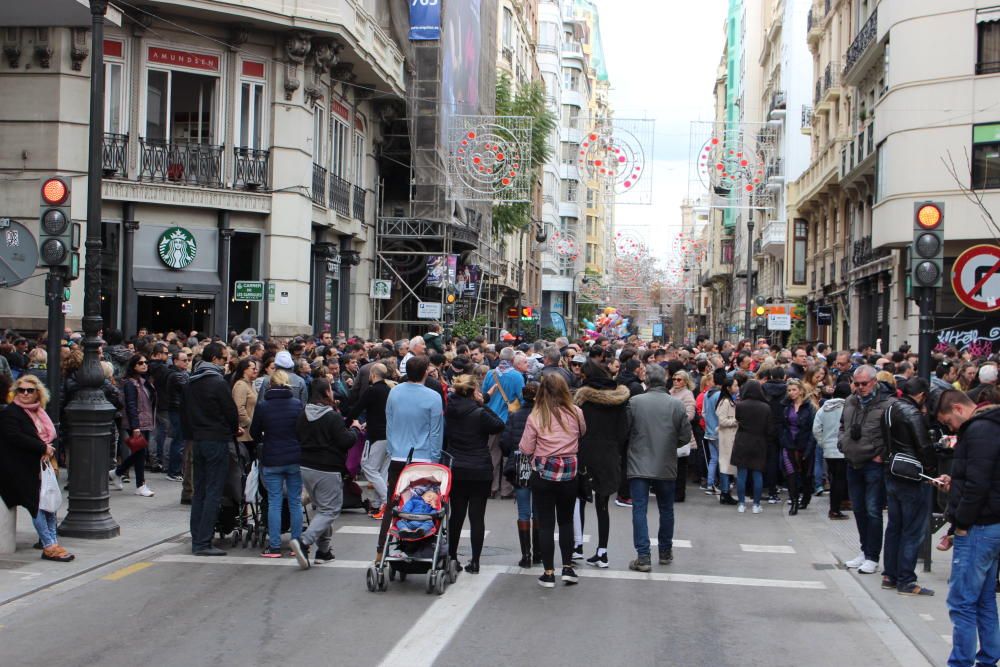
658, 428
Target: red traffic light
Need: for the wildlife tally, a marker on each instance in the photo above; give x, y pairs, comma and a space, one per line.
929, 216
54, 191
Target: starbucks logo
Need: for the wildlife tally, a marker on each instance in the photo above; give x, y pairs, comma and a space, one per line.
177, 248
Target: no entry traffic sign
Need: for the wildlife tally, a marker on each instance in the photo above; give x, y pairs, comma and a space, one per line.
975, 277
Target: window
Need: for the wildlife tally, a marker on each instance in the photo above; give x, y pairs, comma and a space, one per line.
250, 132
986, 157
988, 43
318, 114
799, 252
359, 158
548, 36
591, 223
569, 152
114, 104
570, 190
508, 29
571, 78
571, 116
591, 196
181, 104
591, 253
340, 132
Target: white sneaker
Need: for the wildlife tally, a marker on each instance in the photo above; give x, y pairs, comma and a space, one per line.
116, 480
741, 508
868, 567
757, 509
144, 491
857, 562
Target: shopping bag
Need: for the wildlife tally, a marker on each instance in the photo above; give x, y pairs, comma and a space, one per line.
250, 488
49, 496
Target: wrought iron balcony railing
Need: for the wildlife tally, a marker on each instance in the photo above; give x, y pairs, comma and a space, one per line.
250, 168
864, 39
358, 203
340, 195
319, 185
181, 162
114, 155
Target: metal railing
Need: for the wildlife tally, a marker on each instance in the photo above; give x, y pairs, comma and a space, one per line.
358, 201
861, 42
777, 100
807, 116
319, 185
340, 195
819, 91
857, 150
809, 21
182, 162
988, 67
863, 253
114, 155
831, 76
250, 170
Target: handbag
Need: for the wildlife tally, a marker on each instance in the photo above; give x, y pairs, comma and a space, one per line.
517, 469
253, 481
49, 495
907, 467
136, 443
512, 406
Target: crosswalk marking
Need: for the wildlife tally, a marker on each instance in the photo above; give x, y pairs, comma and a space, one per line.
767, 548
373, 530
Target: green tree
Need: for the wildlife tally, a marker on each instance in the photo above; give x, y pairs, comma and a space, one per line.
798, 332
470, 328
528, 100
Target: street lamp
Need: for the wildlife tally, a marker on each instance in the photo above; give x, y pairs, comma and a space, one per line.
746, 331
90, 414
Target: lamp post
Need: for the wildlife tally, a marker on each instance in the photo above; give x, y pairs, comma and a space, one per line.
89, 413
749, 268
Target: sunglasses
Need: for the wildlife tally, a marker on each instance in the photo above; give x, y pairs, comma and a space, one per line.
140, 363
26, 390
678, 379
863, 384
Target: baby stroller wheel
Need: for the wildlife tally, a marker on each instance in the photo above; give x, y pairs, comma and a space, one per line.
236, 538
383, 582
402, 575
431, 581
370, 579
246, 537
452, 571
392, 574
442, 583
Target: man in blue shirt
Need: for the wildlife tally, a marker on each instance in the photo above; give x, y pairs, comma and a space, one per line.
414, 420
506, 378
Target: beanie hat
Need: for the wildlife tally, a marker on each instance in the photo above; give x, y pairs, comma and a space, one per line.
283, 360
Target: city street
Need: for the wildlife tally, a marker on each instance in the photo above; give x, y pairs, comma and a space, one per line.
743, 589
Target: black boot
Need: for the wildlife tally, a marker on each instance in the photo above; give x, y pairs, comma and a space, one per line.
726, 499
524, 535
794, 509
536, 551
793, 493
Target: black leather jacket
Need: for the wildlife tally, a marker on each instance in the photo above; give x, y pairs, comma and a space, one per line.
906, 432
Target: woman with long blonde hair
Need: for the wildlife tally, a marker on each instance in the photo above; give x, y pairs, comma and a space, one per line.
552, 439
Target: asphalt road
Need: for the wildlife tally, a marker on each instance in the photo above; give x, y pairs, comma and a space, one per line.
747, 590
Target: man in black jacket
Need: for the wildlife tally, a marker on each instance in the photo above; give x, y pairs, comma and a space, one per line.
211, 419
174, 402
159, 372
909, 501
775, 391
974, 510
325, 442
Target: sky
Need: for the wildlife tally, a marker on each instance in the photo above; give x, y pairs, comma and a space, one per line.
662, 58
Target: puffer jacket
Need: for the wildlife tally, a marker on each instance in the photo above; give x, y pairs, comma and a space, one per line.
775, 393
755, 429
826, 427
274, 427
975, 471
804, 441
604, 406
467, 427
872, 443
906, 433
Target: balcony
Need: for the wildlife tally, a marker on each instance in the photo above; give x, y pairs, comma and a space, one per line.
250, 170
775, 174
114, 155
340, 195
758, 249
814, 24
856, 152
831, 84
864, 39
807, 119
319, 185
182, 163
777, 110
863, 253
572, 48
773, 236
358, 202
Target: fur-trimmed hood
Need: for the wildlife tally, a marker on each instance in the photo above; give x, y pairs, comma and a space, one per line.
617, 396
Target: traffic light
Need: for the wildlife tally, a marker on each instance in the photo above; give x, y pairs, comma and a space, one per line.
59, 236
759, 308
528, 313
450, 297
927, 251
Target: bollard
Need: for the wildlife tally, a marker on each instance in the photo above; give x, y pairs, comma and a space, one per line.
8, 529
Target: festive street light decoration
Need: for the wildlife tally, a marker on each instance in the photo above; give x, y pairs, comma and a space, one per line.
490, 158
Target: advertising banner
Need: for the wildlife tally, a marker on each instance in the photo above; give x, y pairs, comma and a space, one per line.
425, 20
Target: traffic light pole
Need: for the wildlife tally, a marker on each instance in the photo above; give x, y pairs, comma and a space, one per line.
747, 331
90, 414
55, 282
926, 341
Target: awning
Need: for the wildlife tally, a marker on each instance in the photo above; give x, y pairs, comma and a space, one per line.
988, 14
154, 282
62, 13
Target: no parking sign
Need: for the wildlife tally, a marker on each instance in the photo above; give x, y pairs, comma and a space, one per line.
975, 277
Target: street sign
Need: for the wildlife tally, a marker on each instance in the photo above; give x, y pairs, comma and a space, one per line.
975, 278
779, 322
824, 315
18, 253
67, 307
249, 290
658, 329
428, 311
380, 289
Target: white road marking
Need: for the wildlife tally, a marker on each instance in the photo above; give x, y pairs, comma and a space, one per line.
373, 530
927, 617
586, 539
432, 632
500, 569
767, 548
947, 639
678, 544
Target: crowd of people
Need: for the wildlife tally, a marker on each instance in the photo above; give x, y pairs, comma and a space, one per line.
552, 424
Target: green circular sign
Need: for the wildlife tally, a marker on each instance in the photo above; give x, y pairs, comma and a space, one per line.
177, 248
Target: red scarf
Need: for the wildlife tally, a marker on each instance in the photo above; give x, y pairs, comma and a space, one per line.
44, 426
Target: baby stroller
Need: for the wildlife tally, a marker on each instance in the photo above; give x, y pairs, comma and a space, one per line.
417, 543
233, 510
255, 495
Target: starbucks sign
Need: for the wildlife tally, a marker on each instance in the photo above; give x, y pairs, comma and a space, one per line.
177, 248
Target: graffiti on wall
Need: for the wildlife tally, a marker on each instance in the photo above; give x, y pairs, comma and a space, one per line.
979, 342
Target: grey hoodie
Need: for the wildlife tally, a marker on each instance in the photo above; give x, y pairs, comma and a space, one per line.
315, 411
826, 427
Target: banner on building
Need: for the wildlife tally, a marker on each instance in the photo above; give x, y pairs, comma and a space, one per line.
468, 279
441, 270
425, 20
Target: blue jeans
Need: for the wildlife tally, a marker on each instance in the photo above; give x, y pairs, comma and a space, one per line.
45, 526
741, 484
866, 487
176, 444
972, 602
664, 489
909, 520
818, 469
713, 461
209, 466
523, 496
160, 434
283, 481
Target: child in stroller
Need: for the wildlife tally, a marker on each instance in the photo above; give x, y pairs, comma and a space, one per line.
425, 500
